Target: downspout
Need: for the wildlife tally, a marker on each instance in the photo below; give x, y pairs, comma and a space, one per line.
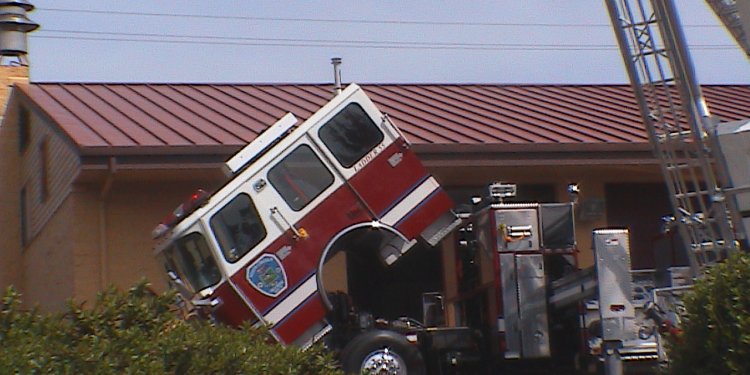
103, 243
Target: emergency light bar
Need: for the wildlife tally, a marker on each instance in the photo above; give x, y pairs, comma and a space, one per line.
260, 144
196, 200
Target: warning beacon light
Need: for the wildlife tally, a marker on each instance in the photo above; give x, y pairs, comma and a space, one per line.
186, 208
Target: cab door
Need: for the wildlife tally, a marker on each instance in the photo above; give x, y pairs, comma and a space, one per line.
297, 199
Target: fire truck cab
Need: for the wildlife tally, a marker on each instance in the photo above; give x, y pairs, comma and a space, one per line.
271, 246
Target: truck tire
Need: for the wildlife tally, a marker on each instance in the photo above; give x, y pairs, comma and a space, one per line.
382, 353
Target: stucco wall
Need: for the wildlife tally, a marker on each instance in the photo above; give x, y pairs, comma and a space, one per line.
132, 210
86, 235
48, 272
39, 264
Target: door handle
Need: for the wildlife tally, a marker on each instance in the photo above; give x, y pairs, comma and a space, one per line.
279, 218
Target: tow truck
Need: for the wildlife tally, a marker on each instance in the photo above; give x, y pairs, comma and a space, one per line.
331, 231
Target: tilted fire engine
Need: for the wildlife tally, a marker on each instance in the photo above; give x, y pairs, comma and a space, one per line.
301, 197
327, 232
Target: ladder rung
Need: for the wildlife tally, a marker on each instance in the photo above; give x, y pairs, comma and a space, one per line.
661, 82
674, 135
691, 194
650, 52
681, 166
640, 23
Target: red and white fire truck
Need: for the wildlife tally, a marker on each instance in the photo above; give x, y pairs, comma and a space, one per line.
328, 231
300, 197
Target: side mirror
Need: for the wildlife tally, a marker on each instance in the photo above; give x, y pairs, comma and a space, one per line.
204, 299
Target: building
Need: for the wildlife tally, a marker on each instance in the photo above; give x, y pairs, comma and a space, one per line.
88, 169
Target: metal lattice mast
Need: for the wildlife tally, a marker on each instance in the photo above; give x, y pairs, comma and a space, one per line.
678, 122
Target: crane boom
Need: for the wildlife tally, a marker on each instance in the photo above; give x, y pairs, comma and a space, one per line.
679, 125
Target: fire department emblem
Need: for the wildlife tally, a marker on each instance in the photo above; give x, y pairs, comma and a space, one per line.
267, 275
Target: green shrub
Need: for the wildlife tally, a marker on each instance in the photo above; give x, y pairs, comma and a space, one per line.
139, 332
716, 335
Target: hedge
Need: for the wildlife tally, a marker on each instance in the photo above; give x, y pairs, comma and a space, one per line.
716, 333
140, 332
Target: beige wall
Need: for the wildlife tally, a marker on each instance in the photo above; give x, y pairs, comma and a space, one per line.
86, 229
39, 265
95, 240
131, 211
48, 264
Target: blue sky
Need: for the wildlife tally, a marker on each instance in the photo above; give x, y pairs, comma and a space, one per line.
420, 41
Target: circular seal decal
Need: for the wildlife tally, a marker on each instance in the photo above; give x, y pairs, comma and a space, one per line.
267, 275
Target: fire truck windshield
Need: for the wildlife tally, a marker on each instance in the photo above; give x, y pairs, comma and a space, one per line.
190, 258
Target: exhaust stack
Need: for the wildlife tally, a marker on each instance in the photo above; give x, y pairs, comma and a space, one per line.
14, 25
336, 61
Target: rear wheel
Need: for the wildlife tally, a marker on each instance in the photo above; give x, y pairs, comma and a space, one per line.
382, 353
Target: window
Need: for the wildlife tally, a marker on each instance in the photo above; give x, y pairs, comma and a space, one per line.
190, 258
238, 228
350, 135
24, 129
43, 171
300, 177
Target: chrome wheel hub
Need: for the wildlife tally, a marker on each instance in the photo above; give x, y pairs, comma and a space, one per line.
383, 362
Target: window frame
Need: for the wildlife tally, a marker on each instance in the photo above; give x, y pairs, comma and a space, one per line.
328, 139
222, 234
288, 190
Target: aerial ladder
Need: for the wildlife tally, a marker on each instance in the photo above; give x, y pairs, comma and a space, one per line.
680, 126
708, 203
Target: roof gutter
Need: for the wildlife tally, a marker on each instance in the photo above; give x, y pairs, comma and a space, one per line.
453, 155
432, 155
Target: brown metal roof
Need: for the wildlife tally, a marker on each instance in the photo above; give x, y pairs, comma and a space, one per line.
142, 119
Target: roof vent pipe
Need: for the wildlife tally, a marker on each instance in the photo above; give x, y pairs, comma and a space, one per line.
14, 25
336, 61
